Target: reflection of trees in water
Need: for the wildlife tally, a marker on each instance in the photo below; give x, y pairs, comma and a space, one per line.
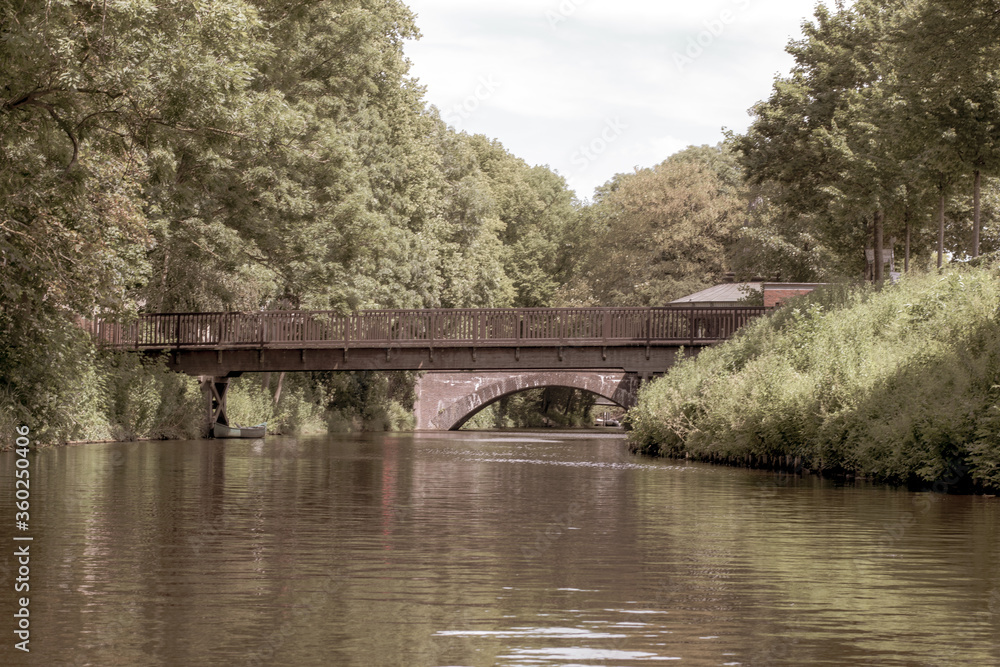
537, 408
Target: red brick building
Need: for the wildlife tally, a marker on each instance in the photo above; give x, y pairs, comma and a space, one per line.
776, 294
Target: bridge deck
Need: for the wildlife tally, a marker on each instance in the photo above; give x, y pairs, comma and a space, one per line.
379, 329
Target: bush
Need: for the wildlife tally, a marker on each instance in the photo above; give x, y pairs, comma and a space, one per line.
250, 401
48, 379
58, 384
366, 400
897, 384
143, 399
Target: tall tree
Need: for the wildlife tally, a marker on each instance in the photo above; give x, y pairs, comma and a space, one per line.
956, 91
842, 136
663, 232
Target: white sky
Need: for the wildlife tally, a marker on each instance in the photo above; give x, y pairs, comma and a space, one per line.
592, 88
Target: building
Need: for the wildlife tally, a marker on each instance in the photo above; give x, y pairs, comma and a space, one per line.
769, 294
726, 294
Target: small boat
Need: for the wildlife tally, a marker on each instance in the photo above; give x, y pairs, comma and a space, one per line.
235, 431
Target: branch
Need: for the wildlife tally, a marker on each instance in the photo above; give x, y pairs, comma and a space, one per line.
97, 113
195, 130
32, 97
69, 133
30, 100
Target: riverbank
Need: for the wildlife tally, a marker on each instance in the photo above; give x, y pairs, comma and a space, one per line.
88, 395
900, 385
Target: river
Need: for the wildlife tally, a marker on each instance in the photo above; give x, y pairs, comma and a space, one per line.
519, 549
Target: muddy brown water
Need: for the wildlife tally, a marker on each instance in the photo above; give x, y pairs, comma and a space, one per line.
519, 549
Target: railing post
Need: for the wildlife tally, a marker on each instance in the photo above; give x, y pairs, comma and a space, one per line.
691, 322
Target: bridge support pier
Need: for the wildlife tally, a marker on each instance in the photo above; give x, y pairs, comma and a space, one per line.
215, 390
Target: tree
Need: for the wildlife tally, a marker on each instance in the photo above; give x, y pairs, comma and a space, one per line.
956, 91
663, 232
91, 94
843, 140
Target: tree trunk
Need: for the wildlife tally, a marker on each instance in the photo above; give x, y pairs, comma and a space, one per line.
277, 392
878, 256
265, 380
163, 278
906, 257
975, 213
940, 249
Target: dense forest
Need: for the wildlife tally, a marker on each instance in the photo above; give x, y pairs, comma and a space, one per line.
264, 154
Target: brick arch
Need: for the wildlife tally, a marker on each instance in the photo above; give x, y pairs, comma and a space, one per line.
460, 396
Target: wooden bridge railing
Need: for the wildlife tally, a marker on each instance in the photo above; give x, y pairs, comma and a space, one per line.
428, 328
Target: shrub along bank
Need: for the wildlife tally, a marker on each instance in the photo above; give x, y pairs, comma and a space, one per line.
900, 384
80, 393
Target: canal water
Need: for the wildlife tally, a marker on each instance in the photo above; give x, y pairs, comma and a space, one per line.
519, 549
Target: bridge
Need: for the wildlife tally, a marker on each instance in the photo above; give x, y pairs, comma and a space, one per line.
604, 350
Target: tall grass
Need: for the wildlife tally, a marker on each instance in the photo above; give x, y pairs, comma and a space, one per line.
899, 384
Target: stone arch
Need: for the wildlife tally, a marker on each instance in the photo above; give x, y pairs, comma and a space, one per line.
463, 395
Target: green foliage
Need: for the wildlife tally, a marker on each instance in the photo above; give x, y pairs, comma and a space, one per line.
249, 404
367, 400
143, 399
49, 380
776, 243
239, 155
251, 401
867, 135
64, 390
563, 407
299, 412
484, 420
898, 384
660, 233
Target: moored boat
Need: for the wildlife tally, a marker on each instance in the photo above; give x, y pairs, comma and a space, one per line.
225, 431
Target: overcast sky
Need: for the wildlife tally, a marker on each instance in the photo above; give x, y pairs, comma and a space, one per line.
592, 88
